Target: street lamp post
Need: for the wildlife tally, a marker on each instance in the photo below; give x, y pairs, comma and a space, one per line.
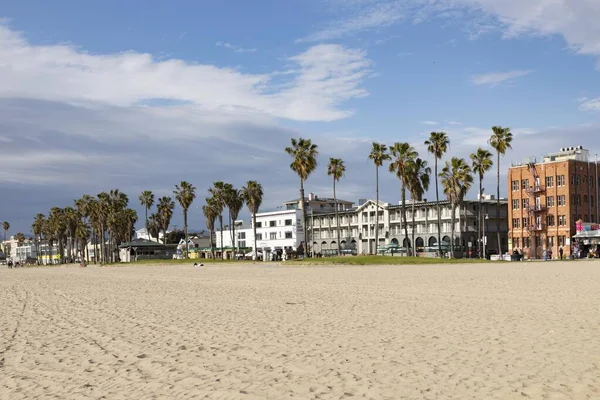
484, 238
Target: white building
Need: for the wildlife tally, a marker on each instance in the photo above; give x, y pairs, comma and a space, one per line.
275, 231
143, 234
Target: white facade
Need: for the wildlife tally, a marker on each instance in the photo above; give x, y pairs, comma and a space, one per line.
143, 234
276, 230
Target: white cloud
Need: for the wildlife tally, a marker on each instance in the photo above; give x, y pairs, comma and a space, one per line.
586, 104
365, 16
237, 49
494, 78
66, 73
429, 122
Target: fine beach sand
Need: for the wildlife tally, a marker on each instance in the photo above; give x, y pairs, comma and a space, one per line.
502, 331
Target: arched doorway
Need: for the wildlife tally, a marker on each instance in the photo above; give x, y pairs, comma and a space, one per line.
406, 243
419, 243
395, 241
324, 245
333, 245
432, 242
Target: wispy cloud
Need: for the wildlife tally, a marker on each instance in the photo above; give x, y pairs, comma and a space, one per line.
429, 122
235, 48
364, 18
495, 78
586, 104
318, 80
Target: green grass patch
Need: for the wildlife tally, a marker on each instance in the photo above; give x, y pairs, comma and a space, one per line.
189, 261
383, 260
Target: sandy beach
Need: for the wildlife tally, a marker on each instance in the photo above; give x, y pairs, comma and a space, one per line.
505, 331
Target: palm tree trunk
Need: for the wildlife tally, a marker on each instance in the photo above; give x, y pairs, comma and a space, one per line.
498, 206
221, 226
452, 228
479, 233
255, 255
439, 209
185, 232
147, 230
377, 209
233, 237
337, 219
413, 227
212, 245
304, 218
410, 245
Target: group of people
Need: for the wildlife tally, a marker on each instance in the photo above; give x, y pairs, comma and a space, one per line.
546, 254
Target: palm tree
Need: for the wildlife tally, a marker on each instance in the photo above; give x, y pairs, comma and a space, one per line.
481, 162
219, 192
253, 195
379, 154
403, 155
131, 217
185, 193
211, 212
336, 170
501, 141
166, 205
20, 238
235, 201
456, 180
147, 200
154, 225
6, 227
82, 233
38, 228
437, 145
71, 218
304, 161
418, 183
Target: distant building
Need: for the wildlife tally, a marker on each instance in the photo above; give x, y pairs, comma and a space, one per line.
143, 234
140, 249
547, 198
358, 226
198, 245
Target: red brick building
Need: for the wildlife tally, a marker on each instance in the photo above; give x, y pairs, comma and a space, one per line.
546, 198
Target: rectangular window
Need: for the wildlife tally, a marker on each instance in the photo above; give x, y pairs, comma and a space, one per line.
562, 200
562, 220
561, 240
550, 201
524, 222
288, 222
550, 241
515, 204
288, 235
516, 242
550, 220
525, 184
259, 236
572, 179
592, 201
242, 235
515, 186
525, 203
549, 181
241, 244
526, 242
272, 223
515, 223
273, 235
560, 180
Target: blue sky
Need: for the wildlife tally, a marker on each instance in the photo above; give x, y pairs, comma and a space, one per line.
140, 95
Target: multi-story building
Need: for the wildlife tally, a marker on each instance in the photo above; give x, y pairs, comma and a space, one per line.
275, 231
547, 198
357, 226
283, 229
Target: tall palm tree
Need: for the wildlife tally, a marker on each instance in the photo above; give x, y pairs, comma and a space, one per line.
403, 155
456, 180
219, 192
336, 170
82, 233
235, 201
253, 195
304, 155
71, 218
20, 238
500, 140
6, 227
418, 183
481, 163
211, 212
185, 193
166, 205
379, 154
437, 145
147, 200
38, 228
84, 206
154, 225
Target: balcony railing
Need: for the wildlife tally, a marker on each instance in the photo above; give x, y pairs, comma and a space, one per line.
536, 189
537, 208
536, 228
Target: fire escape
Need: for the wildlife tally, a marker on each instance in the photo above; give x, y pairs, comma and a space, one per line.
537, 211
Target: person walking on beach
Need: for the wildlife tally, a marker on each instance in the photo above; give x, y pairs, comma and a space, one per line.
549, 254
560, 252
